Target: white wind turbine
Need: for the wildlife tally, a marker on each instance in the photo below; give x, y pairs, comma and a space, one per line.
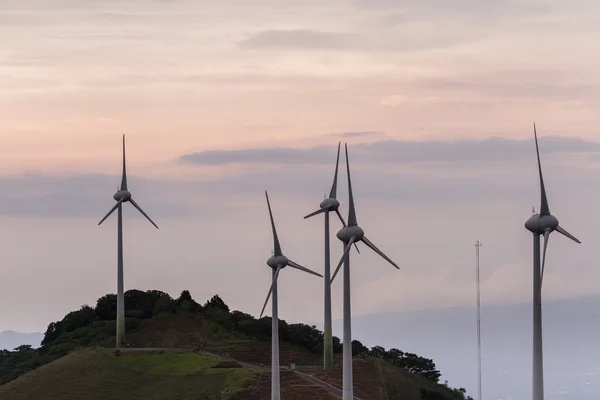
277, 262
349, 235
541, 224
123, 195
328, 205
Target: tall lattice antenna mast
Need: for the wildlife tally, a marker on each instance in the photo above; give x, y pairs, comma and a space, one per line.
477, 246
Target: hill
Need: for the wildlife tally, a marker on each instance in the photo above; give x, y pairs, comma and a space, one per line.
179, 349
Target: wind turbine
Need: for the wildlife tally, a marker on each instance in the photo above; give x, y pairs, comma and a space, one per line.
329, 204
349, 235
277, 262
123, 195
541, 224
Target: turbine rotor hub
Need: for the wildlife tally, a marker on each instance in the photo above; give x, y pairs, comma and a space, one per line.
330, 204
277, 261
538, 224
122, 194
348, 232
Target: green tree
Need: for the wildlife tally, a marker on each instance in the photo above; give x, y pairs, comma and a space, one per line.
72, 321
216, 302
186, 303
306, 336
106, 307
337, 345
419, 366
394, 355
77, 319
165, 304
52, 333
377, 352
359, 348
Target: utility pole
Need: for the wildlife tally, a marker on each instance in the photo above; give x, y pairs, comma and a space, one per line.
477, 246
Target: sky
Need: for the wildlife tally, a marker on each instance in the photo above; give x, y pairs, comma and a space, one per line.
219, 102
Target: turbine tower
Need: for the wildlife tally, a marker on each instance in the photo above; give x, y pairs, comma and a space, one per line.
277, 262
349, 235
477, 247
329, 204
541, 224
123, 195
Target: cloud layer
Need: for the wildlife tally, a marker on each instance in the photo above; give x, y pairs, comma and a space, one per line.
457, 152
412, 173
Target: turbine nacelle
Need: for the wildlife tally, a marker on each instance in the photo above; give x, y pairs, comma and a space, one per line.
330, 204
122, 195
277, 262
351, 232
538, 224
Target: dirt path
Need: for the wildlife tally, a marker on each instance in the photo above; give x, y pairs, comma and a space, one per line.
330, 388
309, 378
315, 381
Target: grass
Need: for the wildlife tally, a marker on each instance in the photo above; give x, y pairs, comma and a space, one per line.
186, 363
168, 363
215, 332
96, 374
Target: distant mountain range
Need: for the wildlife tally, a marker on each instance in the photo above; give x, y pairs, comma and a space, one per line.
448, 336
9, 340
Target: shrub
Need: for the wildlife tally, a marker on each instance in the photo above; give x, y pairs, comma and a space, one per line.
227, 364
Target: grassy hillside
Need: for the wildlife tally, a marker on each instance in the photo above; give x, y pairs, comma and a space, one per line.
97, 374
76, 359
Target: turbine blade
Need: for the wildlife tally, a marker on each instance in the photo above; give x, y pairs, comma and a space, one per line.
341, 218
276, 245
142, 211
356, 247
376, 250
112, 210
322, 210
301, 268
567, 234
346, 254
546, 237
544, 209
270, 290
124, 176
351, 211
333, 192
